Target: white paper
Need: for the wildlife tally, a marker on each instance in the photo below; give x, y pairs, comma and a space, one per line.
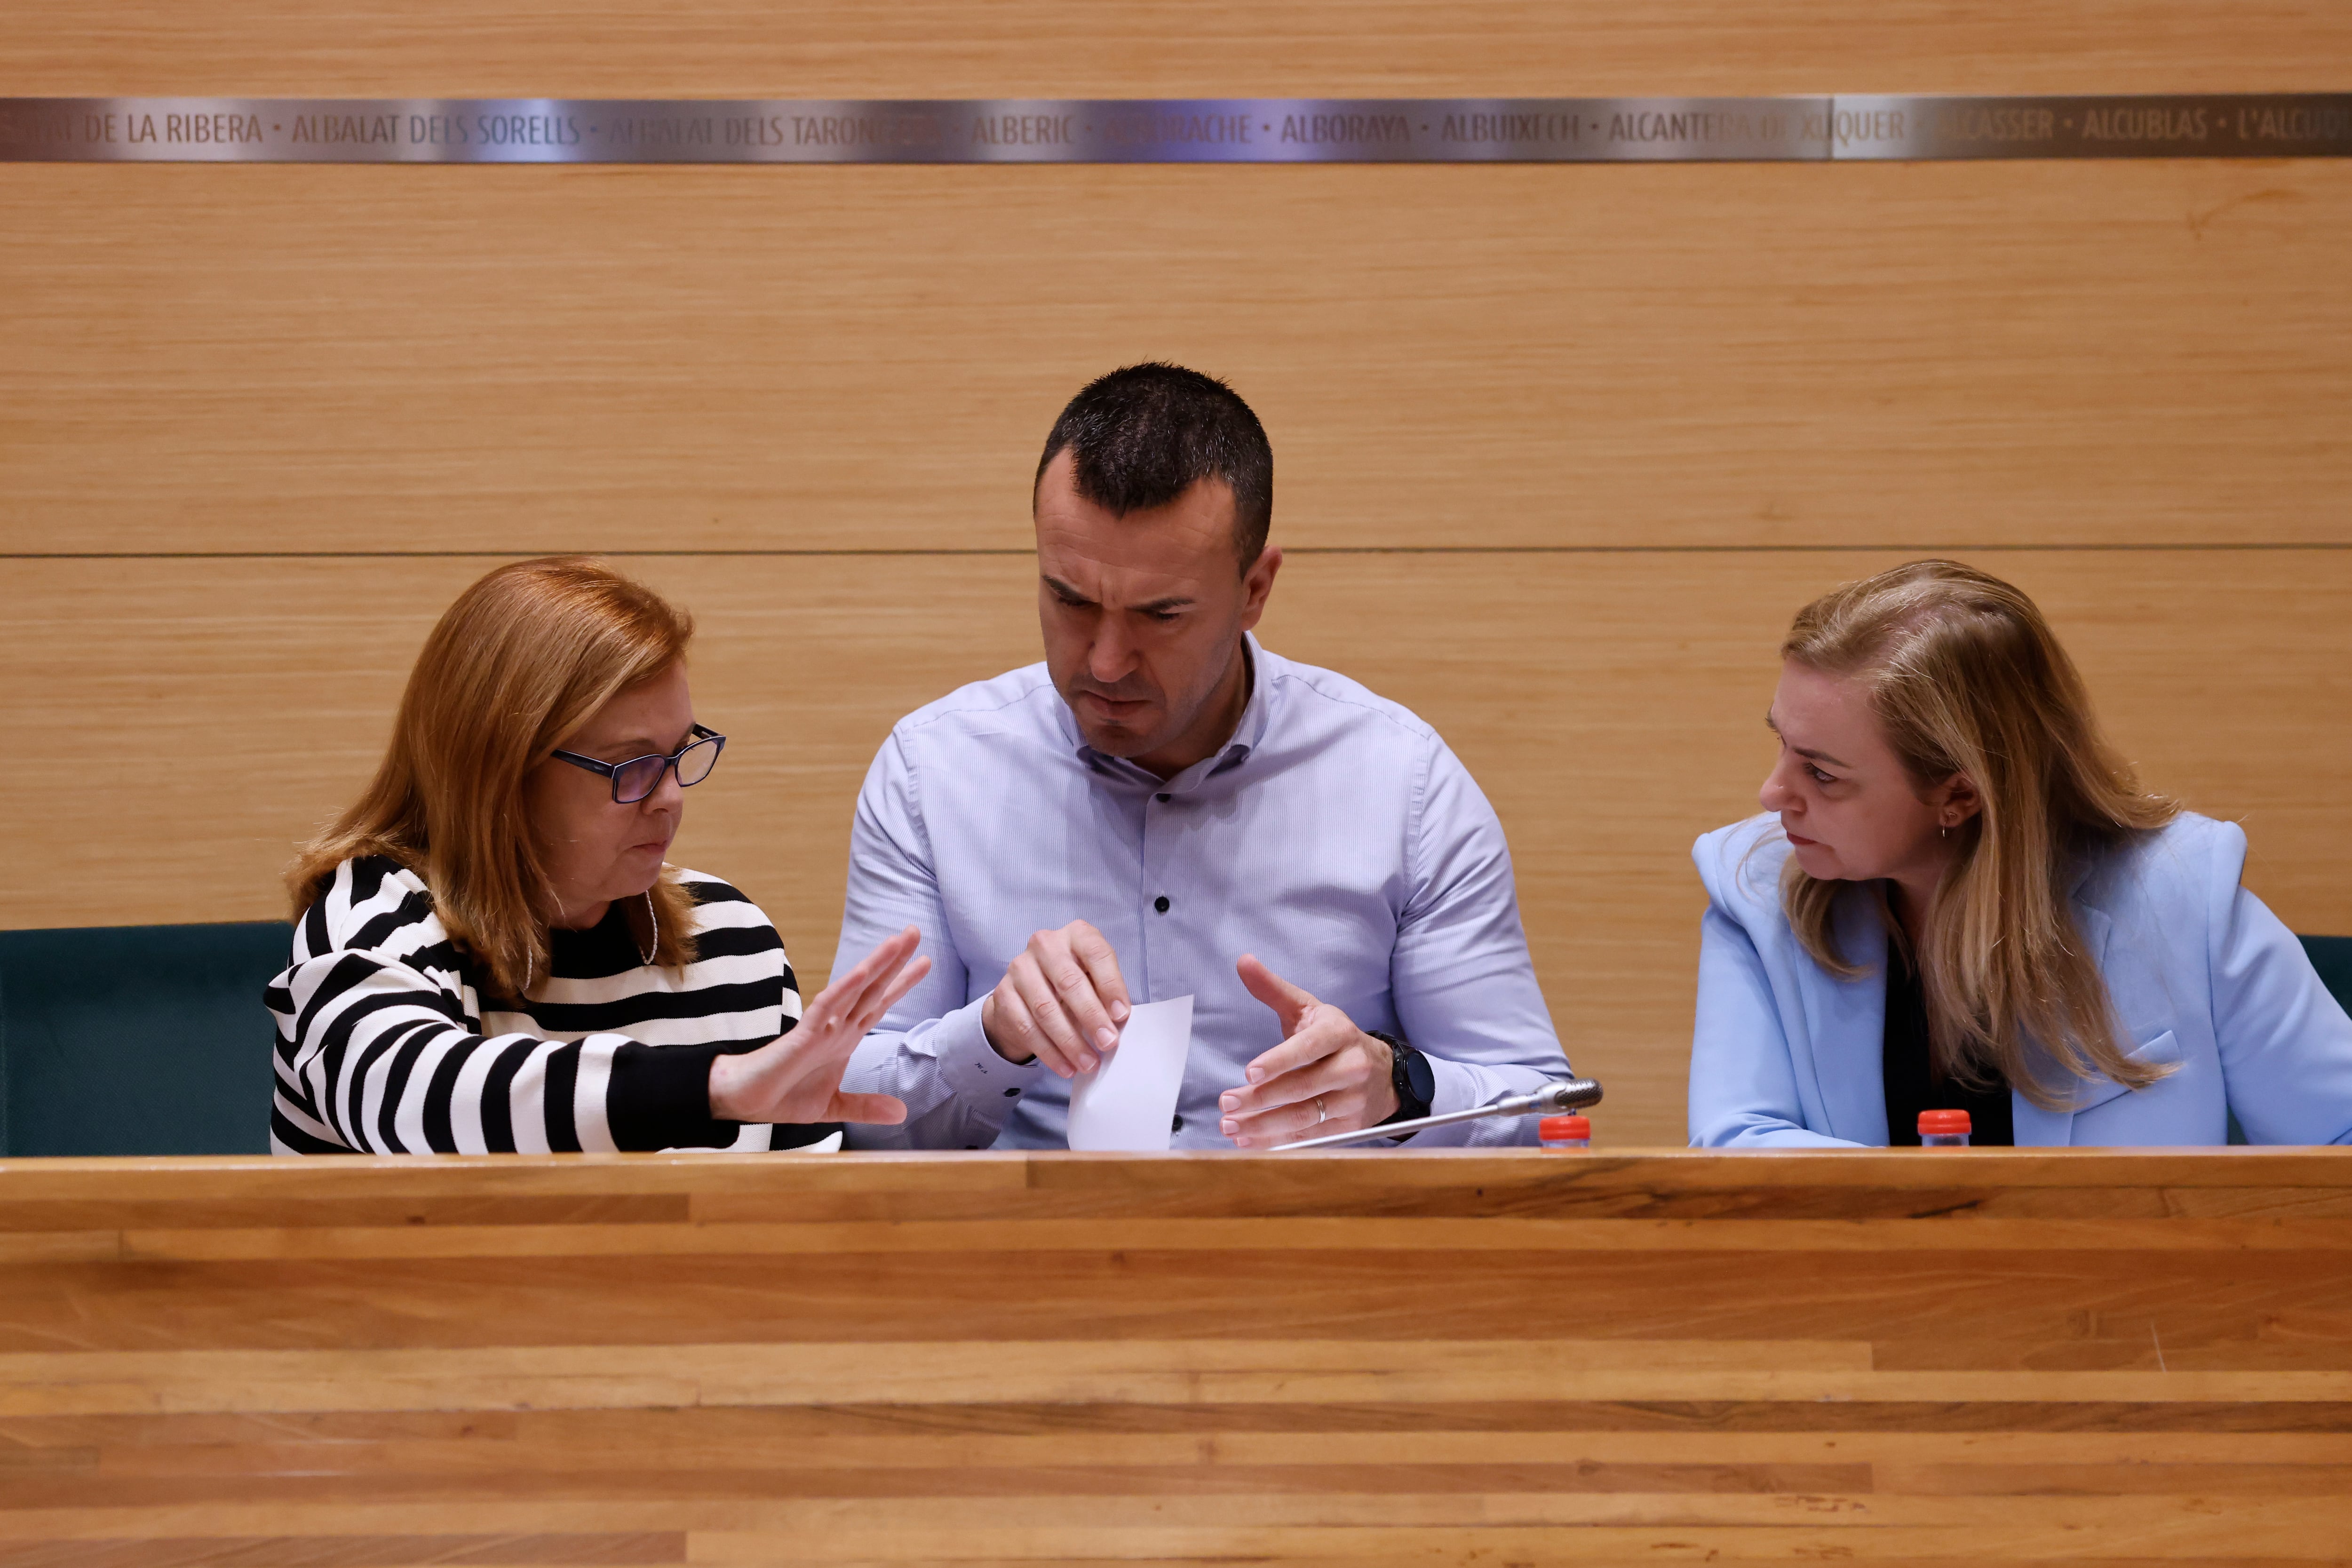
1129, 1101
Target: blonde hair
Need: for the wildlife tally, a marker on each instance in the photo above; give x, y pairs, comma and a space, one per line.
522, 660
1967, 677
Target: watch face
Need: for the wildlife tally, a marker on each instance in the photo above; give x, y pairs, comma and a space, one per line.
1417, 1073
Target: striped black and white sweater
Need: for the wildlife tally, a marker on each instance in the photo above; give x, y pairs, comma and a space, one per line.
384, 1046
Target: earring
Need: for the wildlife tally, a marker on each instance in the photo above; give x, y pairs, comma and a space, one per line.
648, 953
1944, 832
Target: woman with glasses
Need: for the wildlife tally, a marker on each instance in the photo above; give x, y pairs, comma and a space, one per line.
490, 952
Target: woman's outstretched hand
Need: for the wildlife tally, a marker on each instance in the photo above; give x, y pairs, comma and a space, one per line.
797, 1076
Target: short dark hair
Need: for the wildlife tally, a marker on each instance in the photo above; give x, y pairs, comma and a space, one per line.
1144, 434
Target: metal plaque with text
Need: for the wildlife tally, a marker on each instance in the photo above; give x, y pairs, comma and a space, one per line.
1168, 131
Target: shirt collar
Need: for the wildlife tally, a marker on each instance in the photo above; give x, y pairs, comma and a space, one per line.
1249, 734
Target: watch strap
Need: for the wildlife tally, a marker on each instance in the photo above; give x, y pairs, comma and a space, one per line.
1412, 1102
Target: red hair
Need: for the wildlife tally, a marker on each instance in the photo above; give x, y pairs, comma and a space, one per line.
523, 659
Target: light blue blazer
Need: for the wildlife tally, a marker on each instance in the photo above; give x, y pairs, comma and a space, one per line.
2204, 978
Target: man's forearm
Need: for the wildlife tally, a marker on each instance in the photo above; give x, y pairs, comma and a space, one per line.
958, 1091
1461, 1086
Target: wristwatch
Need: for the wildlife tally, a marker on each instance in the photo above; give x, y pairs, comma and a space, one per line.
1409, 1072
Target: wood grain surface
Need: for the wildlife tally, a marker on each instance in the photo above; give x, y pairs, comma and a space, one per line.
1610, 705
292, 359
1533, 1357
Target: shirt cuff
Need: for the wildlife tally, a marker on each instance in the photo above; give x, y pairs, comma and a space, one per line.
968, 1066
1460, 1086
1453, 1087
658, 1096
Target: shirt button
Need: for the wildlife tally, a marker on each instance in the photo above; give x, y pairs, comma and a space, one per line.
1160, 903
1179, 1125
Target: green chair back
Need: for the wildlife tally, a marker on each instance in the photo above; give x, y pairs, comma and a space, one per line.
2332, 956
137, 1039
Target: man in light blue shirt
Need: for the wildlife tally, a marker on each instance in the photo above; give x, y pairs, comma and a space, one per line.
1164, 808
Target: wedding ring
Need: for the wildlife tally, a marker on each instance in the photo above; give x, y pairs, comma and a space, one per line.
1321, 1115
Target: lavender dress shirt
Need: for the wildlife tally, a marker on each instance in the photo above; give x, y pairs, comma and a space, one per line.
1335, 835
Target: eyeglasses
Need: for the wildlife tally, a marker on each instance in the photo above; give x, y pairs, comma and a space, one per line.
640, 777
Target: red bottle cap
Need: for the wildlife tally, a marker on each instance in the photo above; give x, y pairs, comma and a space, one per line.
1943, 1121
1552, 1127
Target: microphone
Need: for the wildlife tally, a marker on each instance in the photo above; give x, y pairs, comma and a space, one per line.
1574, 1094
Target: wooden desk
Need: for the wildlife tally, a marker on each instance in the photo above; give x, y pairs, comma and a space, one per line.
1522, 1358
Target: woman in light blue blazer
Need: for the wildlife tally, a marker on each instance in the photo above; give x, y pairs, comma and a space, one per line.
1960, 898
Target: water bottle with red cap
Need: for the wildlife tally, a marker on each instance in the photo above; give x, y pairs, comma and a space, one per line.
1565, 1131
1943, 1130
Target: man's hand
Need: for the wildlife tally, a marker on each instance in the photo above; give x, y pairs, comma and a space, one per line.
796, 1077
1061, 1002
1326, 1076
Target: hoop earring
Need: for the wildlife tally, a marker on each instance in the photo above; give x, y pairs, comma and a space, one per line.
1943, 833
647, 954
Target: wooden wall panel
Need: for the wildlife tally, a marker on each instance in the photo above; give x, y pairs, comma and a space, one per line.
988, 48
212, 711
302, 359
